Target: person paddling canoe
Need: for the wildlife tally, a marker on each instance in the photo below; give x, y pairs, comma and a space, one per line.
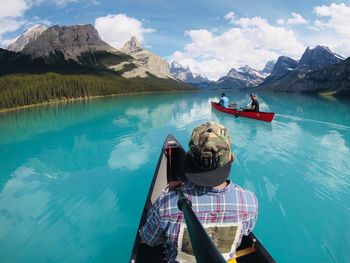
224, 100
254, 105
226, 210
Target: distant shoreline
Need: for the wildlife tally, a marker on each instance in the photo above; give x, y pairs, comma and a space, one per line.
329, 94
90, 97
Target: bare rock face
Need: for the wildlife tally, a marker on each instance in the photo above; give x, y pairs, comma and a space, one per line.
334, 79
132, 46
267, 70
283, 66
28, 36
243, 77
185, 74
70, 40
251, 76
145, 60
318, 70
317, 58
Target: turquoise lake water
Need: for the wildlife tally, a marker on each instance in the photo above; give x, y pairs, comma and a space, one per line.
74, 176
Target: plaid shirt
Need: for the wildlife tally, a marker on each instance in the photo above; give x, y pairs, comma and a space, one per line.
229, 204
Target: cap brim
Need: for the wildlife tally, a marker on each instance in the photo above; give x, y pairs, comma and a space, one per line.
209, 178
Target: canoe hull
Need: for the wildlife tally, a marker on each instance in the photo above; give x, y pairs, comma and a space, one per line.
261, 116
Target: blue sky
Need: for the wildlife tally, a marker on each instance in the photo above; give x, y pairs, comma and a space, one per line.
210, 36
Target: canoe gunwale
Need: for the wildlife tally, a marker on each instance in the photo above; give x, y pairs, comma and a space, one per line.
148, 203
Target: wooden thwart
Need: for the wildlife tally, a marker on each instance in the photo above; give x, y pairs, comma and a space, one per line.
242, 253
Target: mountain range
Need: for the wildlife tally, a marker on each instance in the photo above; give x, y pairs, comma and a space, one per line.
28, 36
65, 62
81, 44
78, 50
318, 70
145, 61
240, 78
185, 75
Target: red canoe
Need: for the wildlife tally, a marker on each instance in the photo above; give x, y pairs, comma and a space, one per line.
261, 116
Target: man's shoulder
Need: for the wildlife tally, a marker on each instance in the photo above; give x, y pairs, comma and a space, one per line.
167, 202
235, 194
242, 196
167, 195
236, 187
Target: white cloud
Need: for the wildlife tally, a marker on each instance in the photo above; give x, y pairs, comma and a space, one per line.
230, 16
336, 16
11, 17
37, 21
254, 41
119, 28
331, 28
281, 21
13, 8
251, 41
123, 157
190, 114
63, 3
10, 25
296, 19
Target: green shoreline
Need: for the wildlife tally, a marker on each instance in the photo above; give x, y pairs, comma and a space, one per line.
19, 91
89, 98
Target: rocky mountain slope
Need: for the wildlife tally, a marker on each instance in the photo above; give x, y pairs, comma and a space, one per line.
241, 78
28, 36
317, 58
81, 44
334, 79
283, 66
145, 61
287, 71
71, 41
66, 62
268, 67
185, 75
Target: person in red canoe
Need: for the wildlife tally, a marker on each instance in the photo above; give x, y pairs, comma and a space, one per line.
254, 105
224, 100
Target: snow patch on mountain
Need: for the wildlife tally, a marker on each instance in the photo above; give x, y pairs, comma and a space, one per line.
28, 36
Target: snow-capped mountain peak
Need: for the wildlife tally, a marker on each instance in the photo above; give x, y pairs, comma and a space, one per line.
245, 69
28, 36
268, 68
317, 58
246, 76
184, 74
175, 64
132, 46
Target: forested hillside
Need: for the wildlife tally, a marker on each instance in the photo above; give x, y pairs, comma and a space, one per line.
25, 89
26, 81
